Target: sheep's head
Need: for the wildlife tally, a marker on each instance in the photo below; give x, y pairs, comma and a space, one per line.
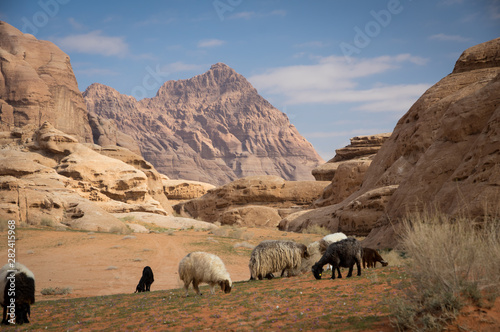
303, 248
317, 271
384, 263
225, 286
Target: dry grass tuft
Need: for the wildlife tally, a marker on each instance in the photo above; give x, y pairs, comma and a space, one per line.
452, 262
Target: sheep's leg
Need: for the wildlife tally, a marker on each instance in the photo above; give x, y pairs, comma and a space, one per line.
358, 266
186, 286
349, 274
4, 320
338, 272
333, 272
195, 286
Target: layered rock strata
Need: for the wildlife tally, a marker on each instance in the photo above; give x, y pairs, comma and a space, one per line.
213, 128
37, 84
252, 201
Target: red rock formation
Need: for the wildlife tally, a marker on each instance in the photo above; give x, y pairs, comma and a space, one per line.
252, 201
214, 128
347, 169
37, 84
444, 154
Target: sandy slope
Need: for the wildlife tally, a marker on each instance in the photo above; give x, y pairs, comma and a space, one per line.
103, 264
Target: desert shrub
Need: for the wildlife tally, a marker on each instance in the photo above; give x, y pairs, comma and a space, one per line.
128, 218
393, 257
233, 232
244, 244
316, 229
47, 222
451, 263
56, 291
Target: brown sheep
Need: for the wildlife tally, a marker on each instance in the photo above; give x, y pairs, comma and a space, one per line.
371, 257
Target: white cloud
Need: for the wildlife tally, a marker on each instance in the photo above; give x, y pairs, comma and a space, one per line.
252, 14
180, 66
315, 43
335, 79
210, 43
445, 37
76, 25
243, 15
94, 43
96, 72
495, 10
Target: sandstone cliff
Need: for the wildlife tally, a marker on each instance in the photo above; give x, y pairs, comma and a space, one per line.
37, 84
48, 178
443, 154
252, 201
347, 169
214, 128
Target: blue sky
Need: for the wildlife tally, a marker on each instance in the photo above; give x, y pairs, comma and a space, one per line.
337, 68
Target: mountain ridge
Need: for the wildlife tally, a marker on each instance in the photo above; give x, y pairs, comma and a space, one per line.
211, 127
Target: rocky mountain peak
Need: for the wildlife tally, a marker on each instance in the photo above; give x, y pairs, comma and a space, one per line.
213, 127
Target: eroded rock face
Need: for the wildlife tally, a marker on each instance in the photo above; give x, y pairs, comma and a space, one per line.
443, 154
184, 189
347, 169
52, 180
212, 128
241, 201
37, 84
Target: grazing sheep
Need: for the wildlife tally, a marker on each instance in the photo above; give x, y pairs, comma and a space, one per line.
344, 253
314, 255
276, 255
17, 293
147, 279
201, 267
371, 257
329, 239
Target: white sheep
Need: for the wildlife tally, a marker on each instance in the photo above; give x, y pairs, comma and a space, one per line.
202, 267
276, 255
17, 293
329, 239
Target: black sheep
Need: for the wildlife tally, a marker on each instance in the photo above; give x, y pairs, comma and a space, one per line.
344, 253
17, 293
147, 279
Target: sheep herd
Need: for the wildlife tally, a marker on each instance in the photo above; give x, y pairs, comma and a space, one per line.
271, 256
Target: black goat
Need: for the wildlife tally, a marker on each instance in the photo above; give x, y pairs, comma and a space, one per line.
147, 279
